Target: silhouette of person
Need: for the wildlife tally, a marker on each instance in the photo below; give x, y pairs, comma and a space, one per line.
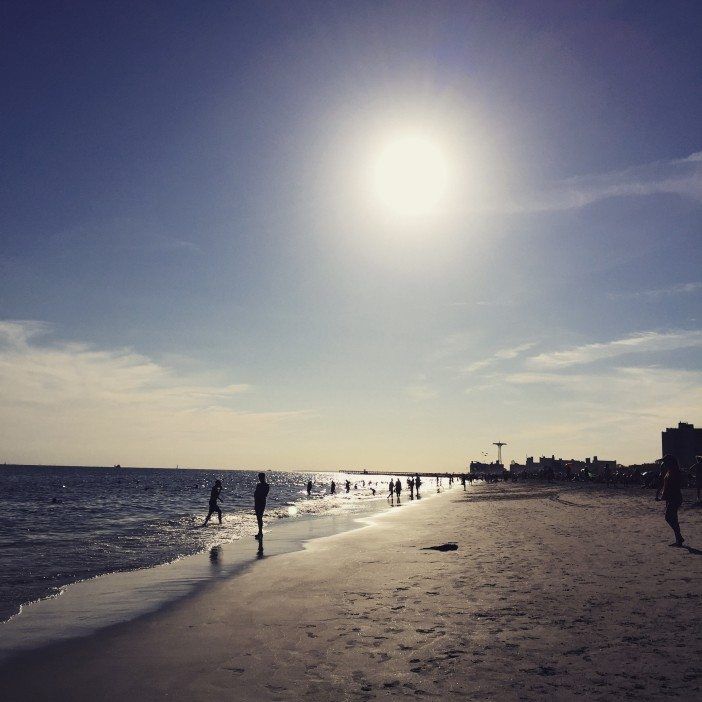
697, 469
332, 489
391, 492
348, 485
214, 497
417, 484
398, 489
671, 492
260, 495
373, 491
410, 484
309, 488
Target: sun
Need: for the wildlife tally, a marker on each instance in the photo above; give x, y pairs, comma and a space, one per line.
410, 175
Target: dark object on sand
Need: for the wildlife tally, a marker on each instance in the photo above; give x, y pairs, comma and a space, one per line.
443, 547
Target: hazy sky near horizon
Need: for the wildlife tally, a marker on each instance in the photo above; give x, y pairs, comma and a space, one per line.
194, 269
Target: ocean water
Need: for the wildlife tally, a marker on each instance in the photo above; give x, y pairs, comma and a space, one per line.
60, 525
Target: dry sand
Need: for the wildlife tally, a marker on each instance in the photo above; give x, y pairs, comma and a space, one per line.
555, 592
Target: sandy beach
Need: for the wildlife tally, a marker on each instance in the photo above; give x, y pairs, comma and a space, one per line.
555, 592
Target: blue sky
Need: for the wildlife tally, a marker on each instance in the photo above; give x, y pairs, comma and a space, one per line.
193, 270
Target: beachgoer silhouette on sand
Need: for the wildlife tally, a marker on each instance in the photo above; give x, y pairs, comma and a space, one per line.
332, 489
214, 507
398, 489
671, 492
697, 470
260, 495
309, 488
391, 492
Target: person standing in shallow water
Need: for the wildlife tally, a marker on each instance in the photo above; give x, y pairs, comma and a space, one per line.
309, 488
398, 489
260, 495
214, 507
671, 492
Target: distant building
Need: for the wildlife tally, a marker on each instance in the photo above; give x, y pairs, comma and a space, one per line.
684, 443
480, 470
530, 468
600, 467
563, 467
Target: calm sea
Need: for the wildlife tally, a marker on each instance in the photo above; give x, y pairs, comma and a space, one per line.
59, 525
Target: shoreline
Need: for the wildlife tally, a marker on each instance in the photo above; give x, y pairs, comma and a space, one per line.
88, 523
86, 607
560, 592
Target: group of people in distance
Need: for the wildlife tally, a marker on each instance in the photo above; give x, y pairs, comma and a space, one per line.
670, 491
262, 489
395, 488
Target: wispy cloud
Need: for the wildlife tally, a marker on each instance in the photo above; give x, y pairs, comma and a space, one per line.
565, 401
420, 389
623, 407
645, 342
500, 355
57, 396
681, 177
484, 303
658, 293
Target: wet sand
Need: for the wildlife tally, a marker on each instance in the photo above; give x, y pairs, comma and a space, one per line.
556, 592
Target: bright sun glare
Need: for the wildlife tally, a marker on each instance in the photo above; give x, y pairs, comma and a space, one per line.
410, 176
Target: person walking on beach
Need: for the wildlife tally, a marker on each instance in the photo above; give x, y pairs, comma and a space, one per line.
697, 470
391, 492
671, 492
417, 483
214, 507
398, 489
309, 488
260, 495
